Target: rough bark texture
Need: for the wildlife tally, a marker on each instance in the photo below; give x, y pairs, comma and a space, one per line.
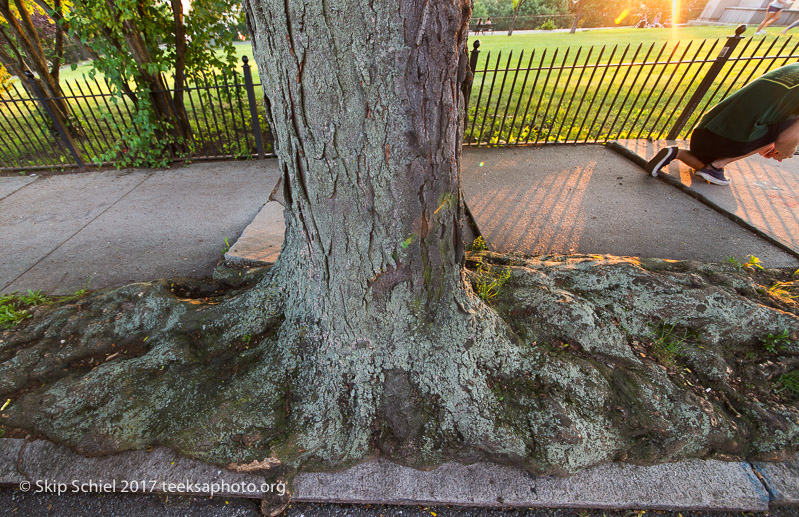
367, 339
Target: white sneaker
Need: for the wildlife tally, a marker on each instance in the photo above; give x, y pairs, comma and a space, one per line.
760, 33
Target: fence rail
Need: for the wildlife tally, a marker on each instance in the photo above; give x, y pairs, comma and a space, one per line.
224, 110
596, 94
567, 95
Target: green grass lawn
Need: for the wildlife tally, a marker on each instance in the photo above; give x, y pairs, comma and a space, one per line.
539, 41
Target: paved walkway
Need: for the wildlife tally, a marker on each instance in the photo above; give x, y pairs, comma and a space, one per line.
763, 194
119, 227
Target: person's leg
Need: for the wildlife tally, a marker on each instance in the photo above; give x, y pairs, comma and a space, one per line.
689, 159
722, 162
789, 27
770, 18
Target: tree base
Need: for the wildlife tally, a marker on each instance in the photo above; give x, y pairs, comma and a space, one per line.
578, 361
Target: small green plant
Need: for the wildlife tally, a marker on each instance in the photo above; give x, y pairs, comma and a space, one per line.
246, 339
14, 307
753, 263
548, 25
80, 293
735, 263
787, 291
789, 381
489, 283
773, 342
478, 244
226, 248
669, 343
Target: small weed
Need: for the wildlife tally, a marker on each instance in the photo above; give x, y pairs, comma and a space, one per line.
735, 263
668, 342
14, 307
489, 283
790, 382
246, 339
478, 244
773, 342
80, 293
753, 263
786, 291
226, 248
33, 298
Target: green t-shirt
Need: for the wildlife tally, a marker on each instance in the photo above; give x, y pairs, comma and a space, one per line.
770, 99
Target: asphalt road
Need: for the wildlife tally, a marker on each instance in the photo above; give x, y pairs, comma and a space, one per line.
15, 503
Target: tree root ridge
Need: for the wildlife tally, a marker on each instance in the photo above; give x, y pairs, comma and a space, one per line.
579, 361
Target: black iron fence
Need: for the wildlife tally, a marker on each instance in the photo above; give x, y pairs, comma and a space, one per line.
225, 112
592, 94
597, 94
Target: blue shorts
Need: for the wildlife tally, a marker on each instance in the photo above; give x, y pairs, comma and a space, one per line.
773, 9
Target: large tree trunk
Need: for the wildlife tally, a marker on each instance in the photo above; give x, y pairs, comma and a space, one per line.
369, 141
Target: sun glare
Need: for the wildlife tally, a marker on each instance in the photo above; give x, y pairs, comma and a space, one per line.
675, 15
623, 15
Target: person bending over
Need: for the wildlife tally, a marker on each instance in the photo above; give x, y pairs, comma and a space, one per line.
759, 118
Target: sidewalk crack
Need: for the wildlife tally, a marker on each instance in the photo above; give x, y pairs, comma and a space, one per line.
109, 207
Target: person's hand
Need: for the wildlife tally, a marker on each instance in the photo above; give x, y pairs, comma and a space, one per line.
784, 148
768, 152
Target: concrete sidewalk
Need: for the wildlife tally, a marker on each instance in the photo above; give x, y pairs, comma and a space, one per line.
138, 225
763, 194
101, 229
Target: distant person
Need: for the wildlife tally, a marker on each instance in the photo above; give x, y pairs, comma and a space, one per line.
642, 23
789, 27
759, 118
656, 22
479, 26
488, 25
773, 12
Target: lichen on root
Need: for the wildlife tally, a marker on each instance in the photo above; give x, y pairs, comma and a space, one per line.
573, 364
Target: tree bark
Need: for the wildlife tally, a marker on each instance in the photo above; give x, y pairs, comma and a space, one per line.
577, 14
24, 32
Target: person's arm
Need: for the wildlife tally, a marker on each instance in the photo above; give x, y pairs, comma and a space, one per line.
786, 142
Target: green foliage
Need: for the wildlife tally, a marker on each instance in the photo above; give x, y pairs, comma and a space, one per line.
14, 307
146, 143
489, 283
753, 263
668, 342
478, 244
5, 79
548, 26
773, 342
226, 248
789, 381
735, 263
787, 291
138, 45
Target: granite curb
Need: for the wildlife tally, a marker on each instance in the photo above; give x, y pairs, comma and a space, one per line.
44, 467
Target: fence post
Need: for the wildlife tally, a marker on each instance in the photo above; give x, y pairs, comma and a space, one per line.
467, 84
256, 125
58, 124
704, 86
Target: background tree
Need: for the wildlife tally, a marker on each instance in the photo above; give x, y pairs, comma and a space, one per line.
140, 43
368, 337
23, 25
517, 5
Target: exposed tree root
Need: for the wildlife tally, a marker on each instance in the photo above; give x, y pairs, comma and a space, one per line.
581, 360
